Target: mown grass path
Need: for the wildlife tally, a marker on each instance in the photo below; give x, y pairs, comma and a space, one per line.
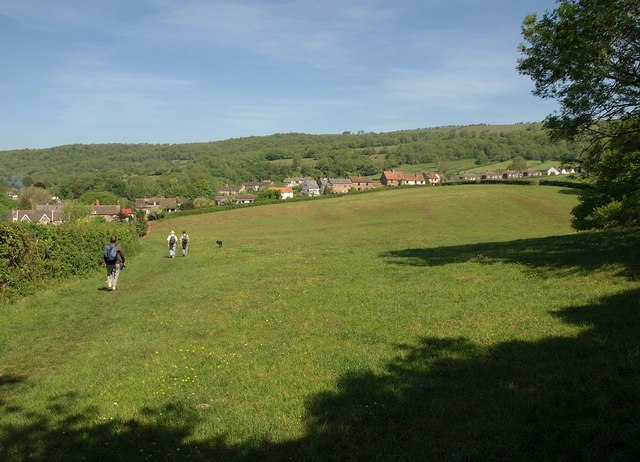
426, 324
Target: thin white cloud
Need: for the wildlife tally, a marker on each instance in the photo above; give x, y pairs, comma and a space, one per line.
79, 14
320, 34
90, 91
278, 115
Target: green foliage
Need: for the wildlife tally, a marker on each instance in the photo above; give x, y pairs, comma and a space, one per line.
74, 211
269, 194
565, 183
31, 255
482, 159
141, 222
6, 206
156, 214
584, 54
187, 205
35, 196
24, 204
600, 211
519, 164
103, 197
614, 169
198, 170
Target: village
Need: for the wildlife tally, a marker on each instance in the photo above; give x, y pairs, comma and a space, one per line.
247, 193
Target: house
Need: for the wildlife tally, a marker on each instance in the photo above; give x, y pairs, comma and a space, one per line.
413, 179
108, 212
490, 176
163, 203
222, 200
126, 215
340, 185
467, 176
43, 214
229, 191
310, 188
360, 183
285, 193
391, 178
31, 216
11, 195
256, 185
292, 182
432, 178
511, 174
245, 199
530, 172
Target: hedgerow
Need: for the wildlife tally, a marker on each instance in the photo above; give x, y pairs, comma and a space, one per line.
31, 255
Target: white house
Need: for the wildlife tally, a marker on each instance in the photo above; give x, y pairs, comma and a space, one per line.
310, 188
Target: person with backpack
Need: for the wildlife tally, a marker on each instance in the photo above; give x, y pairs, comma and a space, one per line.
172, 240
113, 258
185, 243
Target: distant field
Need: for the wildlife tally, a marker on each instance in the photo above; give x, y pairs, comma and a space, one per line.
505, 165
445, 323
463, 165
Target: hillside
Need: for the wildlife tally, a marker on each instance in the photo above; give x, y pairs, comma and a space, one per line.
199, 169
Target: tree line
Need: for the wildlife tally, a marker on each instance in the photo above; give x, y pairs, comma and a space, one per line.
196, 170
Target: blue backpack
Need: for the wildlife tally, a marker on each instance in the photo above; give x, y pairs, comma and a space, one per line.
110, 253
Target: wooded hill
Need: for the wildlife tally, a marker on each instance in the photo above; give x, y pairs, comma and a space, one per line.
199, 169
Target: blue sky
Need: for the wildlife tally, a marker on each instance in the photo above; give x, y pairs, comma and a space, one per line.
180, 71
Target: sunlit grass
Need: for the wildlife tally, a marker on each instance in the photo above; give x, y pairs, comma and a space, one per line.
233, 349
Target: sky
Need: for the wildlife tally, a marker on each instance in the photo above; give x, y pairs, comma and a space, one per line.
182, 71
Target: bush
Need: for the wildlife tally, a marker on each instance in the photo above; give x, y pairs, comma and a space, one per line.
31, 255
565, 184
141, 222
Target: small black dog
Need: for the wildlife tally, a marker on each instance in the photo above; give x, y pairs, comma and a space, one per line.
219, 243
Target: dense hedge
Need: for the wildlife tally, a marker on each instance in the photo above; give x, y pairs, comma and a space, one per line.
31, 255
566, 184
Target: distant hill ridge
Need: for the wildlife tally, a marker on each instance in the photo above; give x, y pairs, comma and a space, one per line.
198, 169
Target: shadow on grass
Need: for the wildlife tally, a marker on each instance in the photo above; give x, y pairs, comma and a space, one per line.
561, 398
571, 192
575, 253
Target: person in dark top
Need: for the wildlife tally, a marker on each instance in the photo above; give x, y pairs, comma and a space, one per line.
185, 243
114, 261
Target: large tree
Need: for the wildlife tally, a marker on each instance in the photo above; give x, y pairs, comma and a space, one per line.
585, 54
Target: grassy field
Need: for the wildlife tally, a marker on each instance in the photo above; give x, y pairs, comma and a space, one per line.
456, 166
453, 323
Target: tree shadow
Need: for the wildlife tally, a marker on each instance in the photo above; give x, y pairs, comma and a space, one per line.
585, 252
7, 381
449, 399
560, 398
571, 192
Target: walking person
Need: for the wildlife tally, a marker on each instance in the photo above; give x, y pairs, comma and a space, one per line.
113, 258
172, 240
185, 243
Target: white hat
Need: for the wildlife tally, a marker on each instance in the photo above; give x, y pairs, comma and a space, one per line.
172, 232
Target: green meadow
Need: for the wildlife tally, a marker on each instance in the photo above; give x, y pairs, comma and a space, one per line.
447, 323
